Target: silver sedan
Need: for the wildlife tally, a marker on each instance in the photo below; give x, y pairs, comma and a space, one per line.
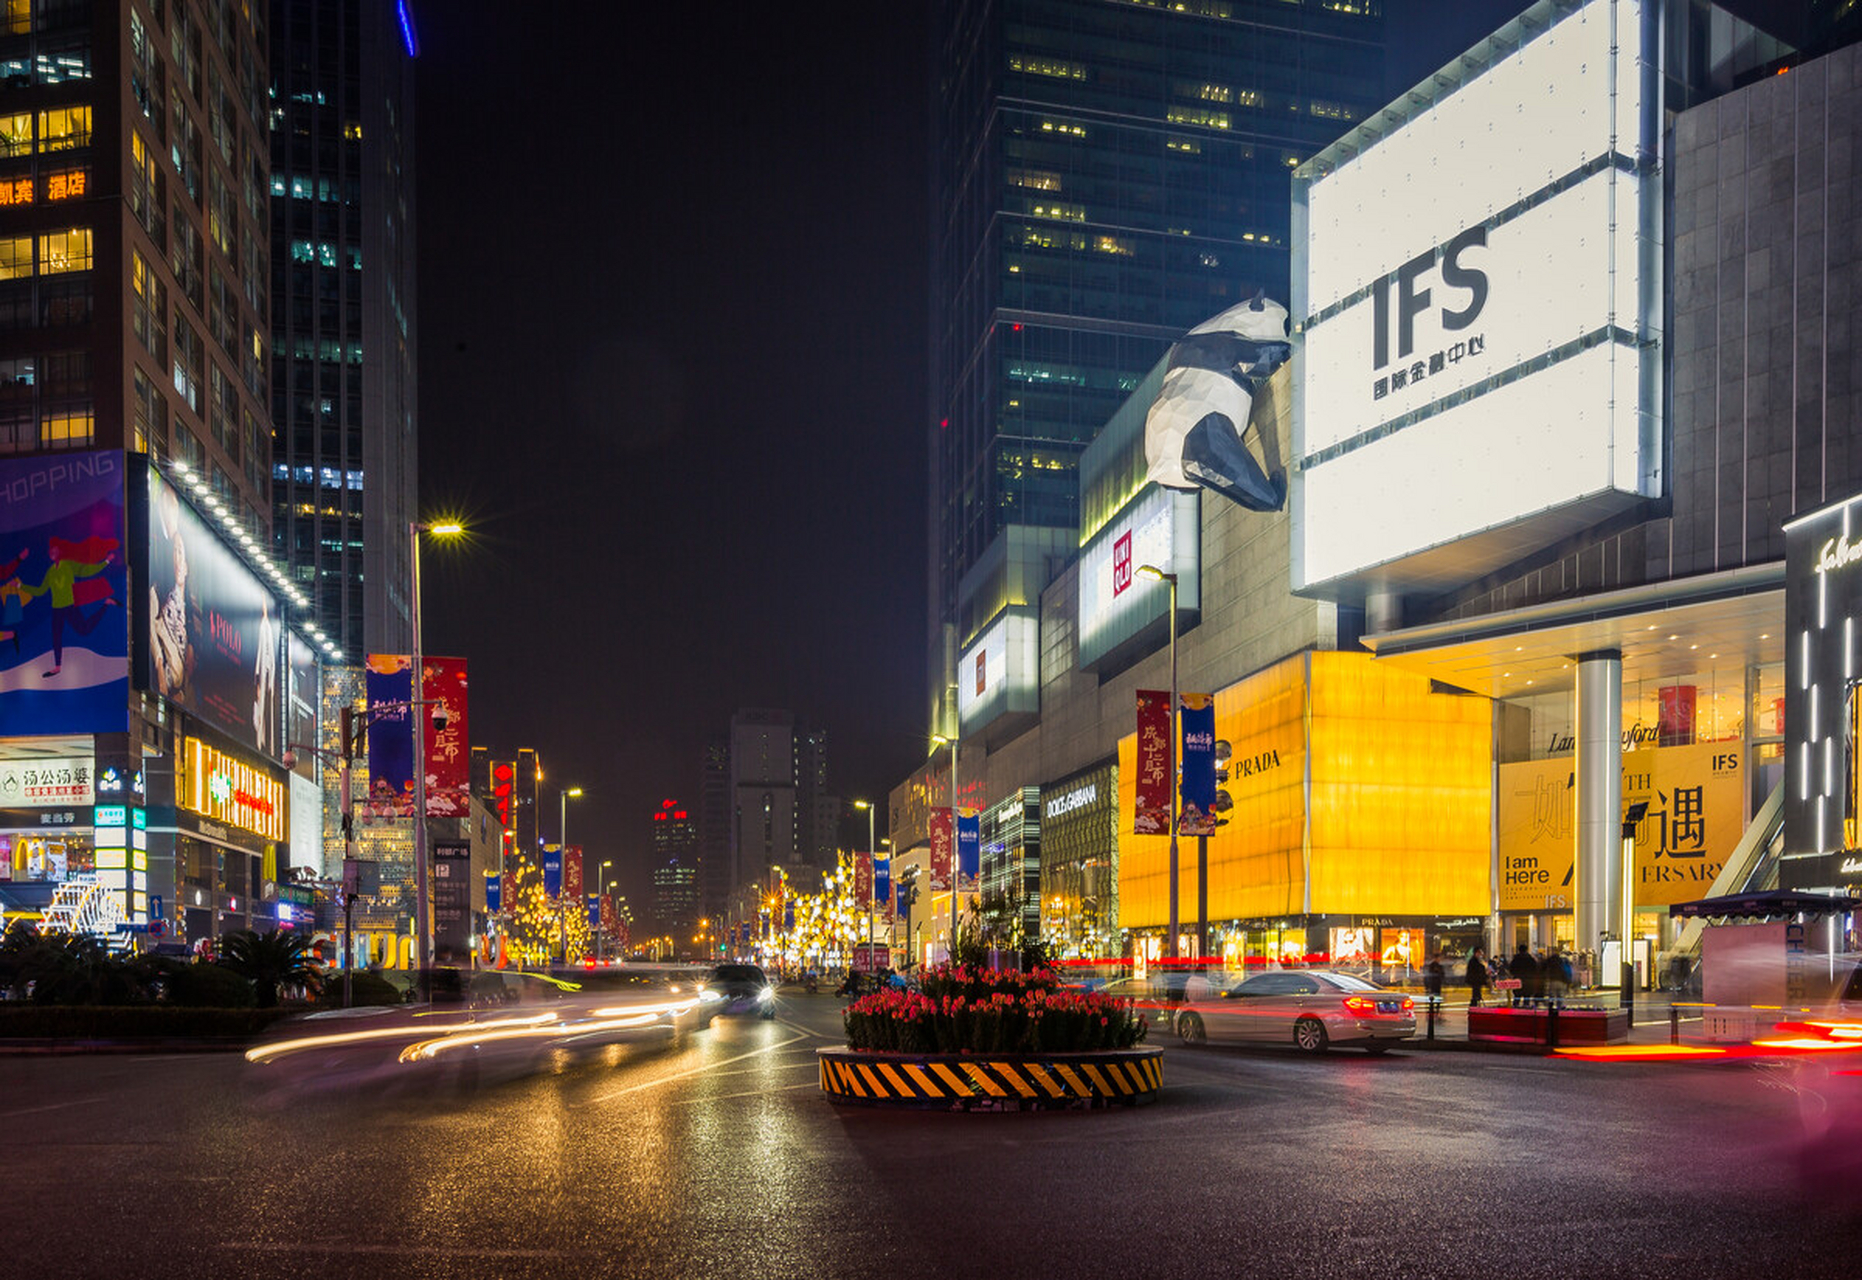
1311, 1008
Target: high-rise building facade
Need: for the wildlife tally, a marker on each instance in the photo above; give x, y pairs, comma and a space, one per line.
763, 799
676, 888
133, 253
1106, 175
714, 825
342, 314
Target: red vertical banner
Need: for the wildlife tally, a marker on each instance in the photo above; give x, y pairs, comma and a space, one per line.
1676, 704
449, 749
863, 879
943, 838
1151, 816
572, 872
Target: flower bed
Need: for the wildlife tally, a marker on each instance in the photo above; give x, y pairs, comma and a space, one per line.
963, 1010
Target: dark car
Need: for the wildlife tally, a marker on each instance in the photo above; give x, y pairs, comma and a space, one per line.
744, 988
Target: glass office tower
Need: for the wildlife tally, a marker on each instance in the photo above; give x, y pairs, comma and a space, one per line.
343, 314
1106, 174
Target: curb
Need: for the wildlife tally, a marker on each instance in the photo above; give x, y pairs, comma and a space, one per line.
1000, 1082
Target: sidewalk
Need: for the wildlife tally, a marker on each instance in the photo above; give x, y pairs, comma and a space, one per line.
1657, 1018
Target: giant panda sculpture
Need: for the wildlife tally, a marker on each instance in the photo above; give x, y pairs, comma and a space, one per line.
1193, 431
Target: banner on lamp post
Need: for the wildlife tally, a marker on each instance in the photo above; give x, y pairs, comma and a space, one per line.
390, 681
494, 893
449, 792
594, 912
552, 871
941, 839
862, 877
969, 846
882, 882
1196, 816
572, 870
1151, 815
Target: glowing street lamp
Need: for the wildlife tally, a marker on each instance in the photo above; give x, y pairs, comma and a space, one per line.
423, 927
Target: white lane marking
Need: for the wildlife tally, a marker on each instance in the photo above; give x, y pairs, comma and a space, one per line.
815, 1035
753, 1093
695, 1071
50, 1106
454, 1251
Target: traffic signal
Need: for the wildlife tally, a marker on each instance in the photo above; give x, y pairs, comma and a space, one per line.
1223, 801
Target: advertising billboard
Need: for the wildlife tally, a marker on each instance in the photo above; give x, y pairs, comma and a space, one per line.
999, 673
212, 640
303, 693
390, 681
1693, 820
1480, 361
1160, 527
64, 630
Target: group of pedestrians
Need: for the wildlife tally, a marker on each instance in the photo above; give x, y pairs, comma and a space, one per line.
1543, 978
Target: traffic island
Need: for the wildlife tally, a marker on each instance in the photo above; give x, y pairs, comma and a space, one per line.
1551, 1026
963, 1082
973, 1039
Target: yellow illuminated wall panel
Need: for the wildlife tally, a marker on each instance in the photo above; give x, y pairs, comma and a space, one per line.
1401, 798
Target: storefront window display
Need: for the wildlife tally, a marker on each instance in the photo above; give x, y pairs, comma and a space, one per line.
1079, 860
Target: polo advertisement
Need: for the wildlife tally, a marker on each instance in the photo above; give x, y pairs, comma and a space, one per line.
214, 639
64, 629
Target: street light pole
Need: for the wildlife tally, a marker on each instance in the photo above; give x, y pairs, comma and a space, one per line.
601, 891
423, 933
872, 855
562, 855
1152, 571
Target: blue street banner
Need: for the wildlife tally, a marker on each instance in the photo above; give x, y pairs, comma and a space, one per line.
898, 896
594, 911
882, 880
969, 844
552, 870
1197, 816
390, 681
494, 893
788, 916
64, 593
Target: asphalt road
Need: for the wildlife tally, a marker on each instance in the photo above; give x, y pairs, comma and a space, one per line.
717, 1156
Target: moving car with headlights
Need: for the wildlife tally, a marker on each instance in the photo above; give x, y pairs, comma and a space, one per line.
744, 988
1310, 1008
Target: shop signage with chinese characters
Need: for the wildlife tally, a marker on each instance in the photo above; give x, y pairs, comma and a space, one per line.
25, 784
1692, 822
228, 790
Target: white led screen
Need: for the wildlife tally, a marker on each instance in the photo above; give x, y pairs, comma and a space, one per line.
1160, 528
1478, 363
999, 672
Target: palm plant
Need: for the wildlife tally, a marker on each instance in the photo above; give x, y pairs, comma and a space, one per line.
271, 960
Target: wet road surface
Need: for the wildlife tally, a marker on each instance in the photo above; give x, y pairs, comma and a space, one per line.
715, 1155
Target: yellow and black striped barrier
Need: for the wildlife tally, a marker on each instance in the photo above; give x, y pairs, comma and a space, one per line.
962, 1082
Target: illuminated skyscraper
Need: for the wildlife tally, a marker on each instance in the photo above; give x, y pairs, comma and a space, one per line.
1106, 175
343, 311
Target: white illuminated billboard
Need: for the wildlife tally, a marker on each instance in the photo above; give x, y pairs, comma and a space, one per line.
1476, 286
1000, 671
1160, 527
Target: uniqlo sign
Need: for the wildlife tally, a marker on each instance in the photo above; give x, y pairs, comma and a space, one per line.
1121, 563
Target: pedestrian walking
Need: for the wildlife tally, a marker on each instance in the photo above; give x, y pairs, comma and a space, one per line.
1526, 970
1477, 976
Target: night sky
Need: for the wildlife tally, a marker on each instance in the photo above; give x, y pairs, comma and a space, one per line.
672, 376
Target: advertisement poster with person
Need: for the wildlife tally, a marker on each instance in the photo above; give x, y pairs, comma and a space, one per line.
64, 630
214, 634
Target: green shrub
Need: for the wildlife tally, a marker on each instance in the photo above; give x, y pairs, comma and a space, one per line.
370, 988
208, 986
